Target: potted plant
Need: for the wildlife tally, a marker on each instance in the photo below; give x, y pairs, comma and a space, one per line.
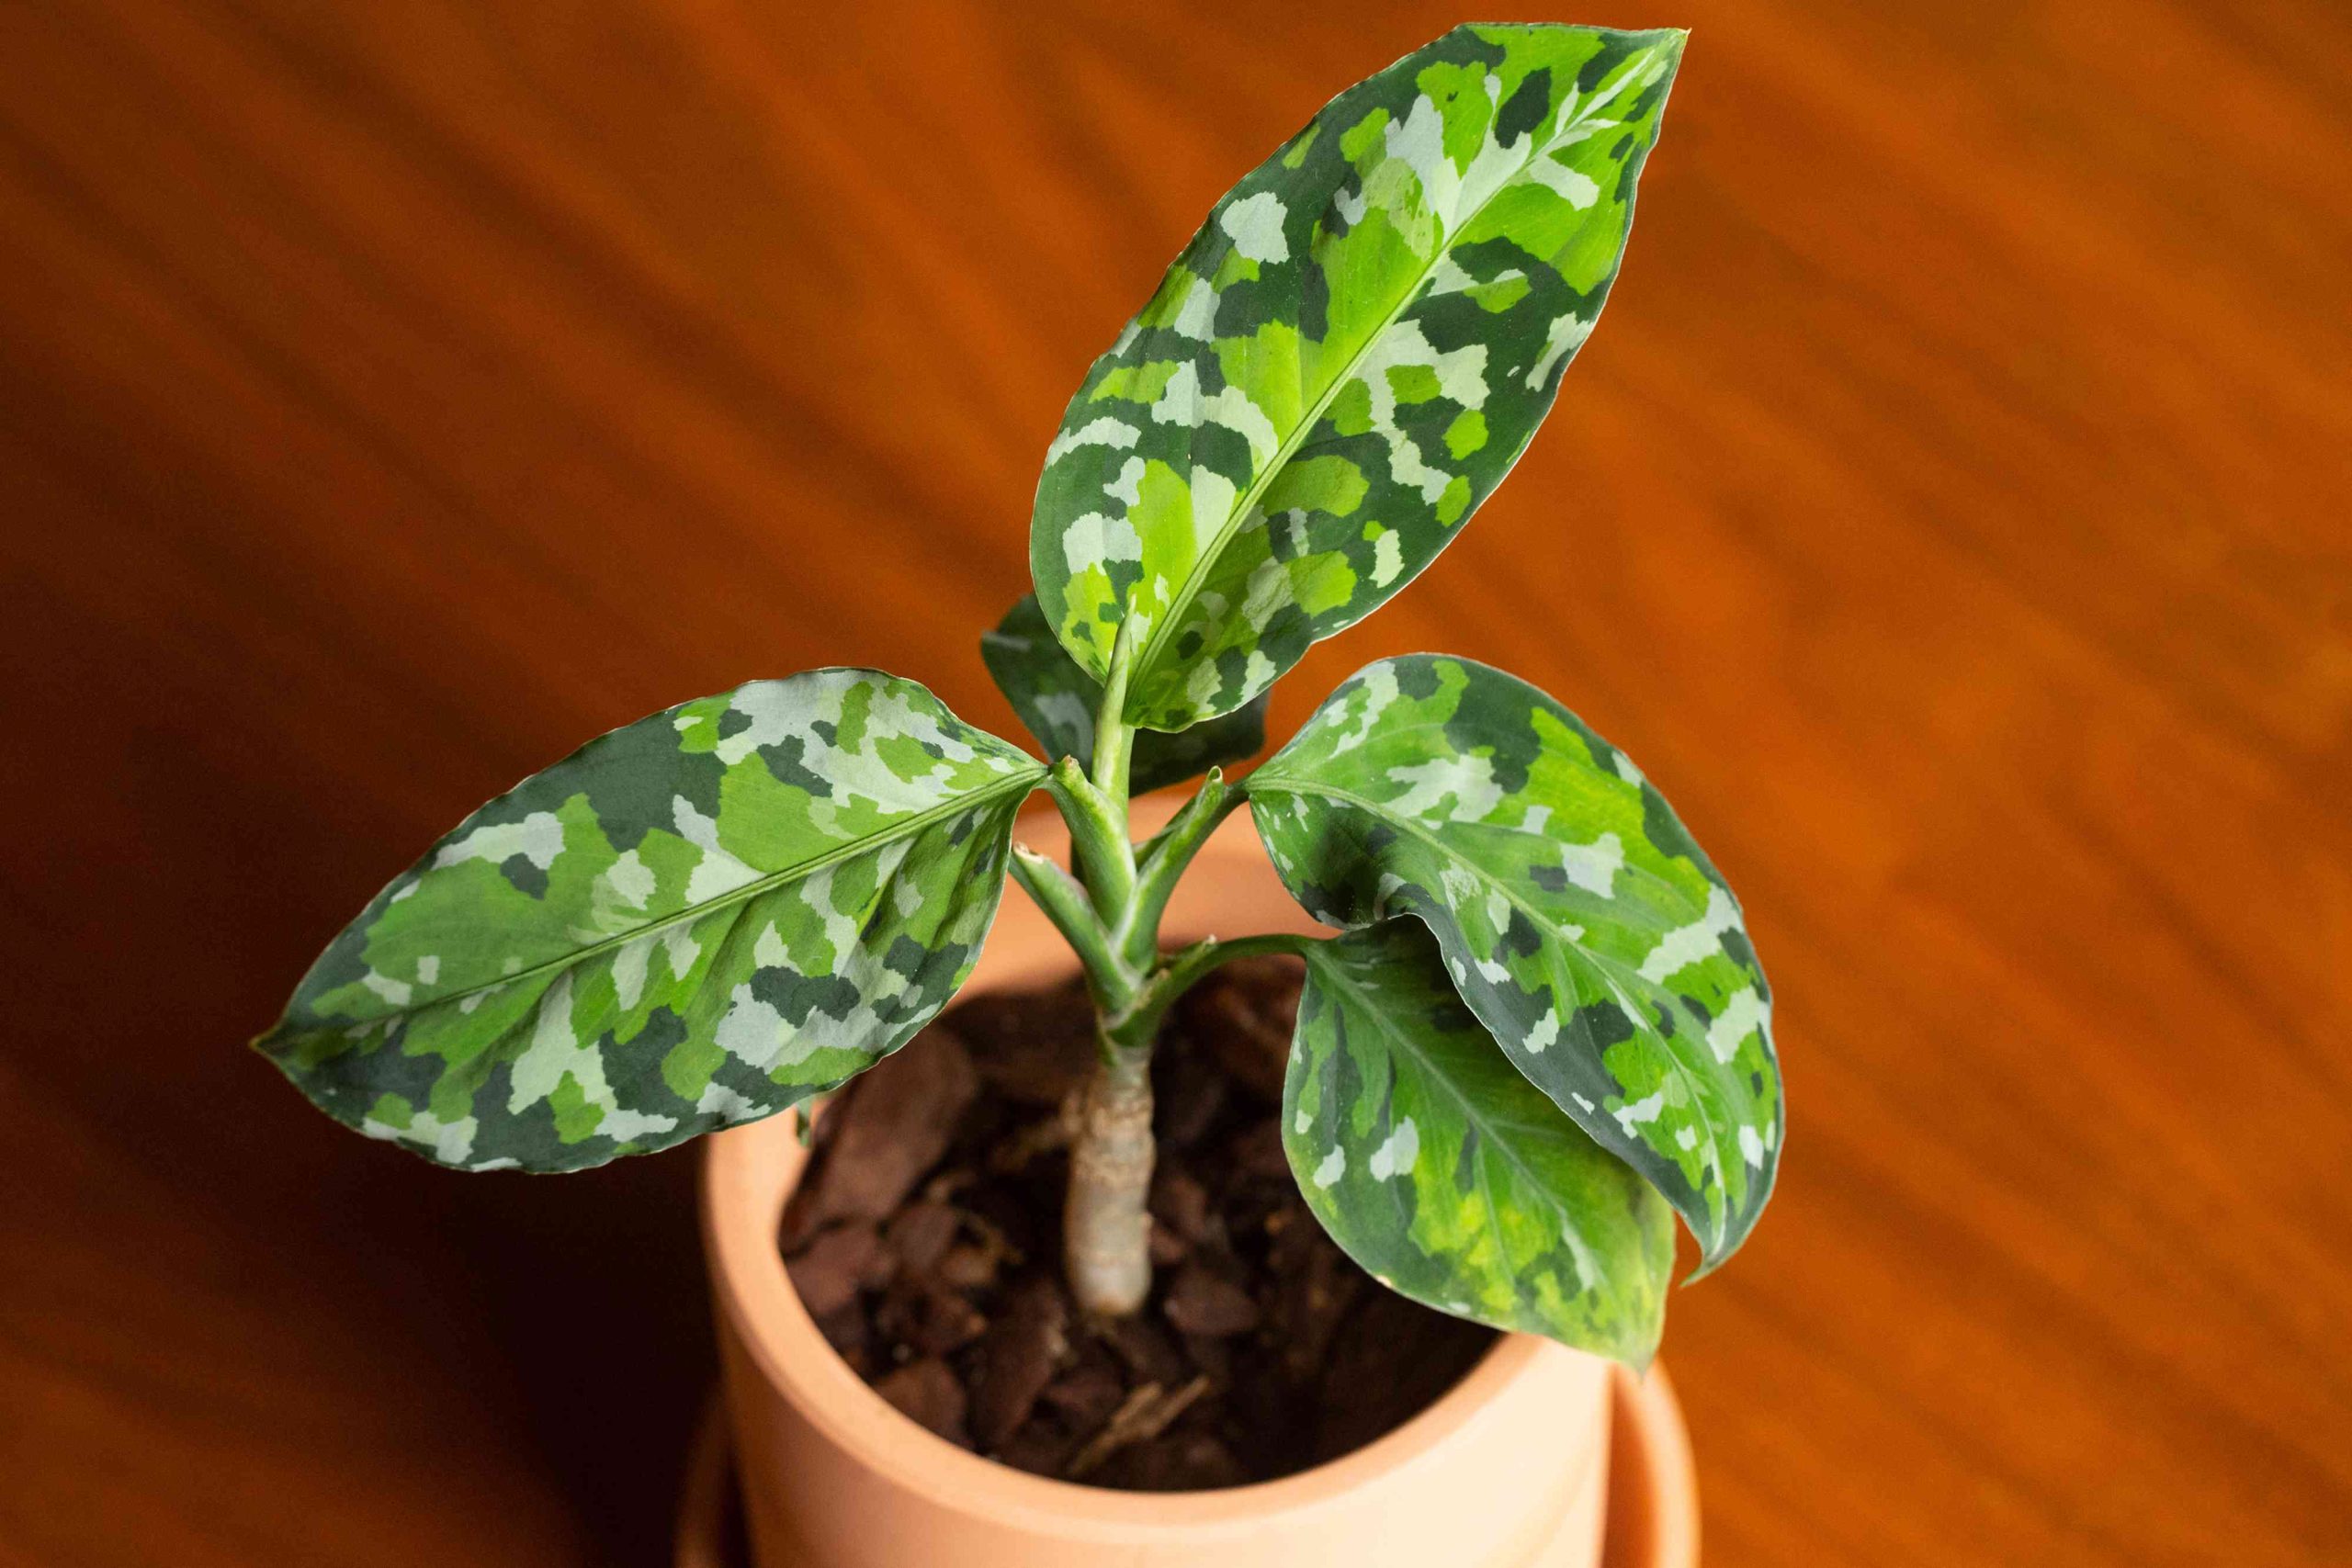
1530, 1029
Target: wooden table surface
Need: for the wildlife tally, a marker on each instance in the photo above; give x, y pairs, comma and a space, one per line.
1951, 514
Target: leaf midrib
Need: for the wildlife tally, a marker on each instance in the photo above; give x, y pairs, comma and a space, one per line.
905, 829
1193, 580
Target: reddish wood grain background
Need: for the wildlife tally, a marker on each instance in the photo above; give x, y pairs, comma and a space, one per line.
1951, 514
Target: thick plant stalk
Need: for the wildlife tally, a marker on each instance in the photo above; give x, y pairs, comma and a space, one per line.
1106, 1224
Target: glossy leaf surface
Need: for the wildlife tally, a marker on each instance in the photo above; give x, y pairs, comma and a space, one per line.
697, 919
1344, 361
1443, 1172
1578, 919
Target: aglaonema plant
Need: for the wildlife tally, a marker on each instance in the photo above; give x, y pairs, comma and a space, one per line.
1541, 1031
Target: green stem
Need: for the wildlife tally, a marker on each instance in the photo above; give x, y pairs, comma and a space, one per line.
1114, 742
1134, 1027
1136, 933
1098, 833
1065, 902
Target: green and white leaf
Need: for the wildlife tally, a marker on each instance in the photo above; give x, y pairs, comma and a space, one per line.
1344, 361
1578, 919
1058, 701
1437, 1167
698, 919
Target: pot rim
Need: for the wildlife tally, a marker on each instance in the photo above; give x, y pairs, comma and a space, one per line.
750, 1171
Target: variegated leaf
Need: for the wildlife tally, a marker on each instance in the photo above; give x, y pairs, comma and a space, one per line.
1346, 358
1581, 922
1057, 701
1437, 1167
698, 919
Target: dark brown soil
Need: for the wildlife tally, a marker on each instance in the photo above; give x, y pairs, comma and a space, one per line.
926, 1243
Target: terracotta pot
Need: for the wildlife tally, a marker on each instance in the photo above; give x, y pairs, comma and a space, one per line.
1508, 1470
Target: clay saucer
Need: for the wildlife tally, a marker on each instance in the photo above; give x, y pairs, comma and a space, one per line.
1653, 1494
